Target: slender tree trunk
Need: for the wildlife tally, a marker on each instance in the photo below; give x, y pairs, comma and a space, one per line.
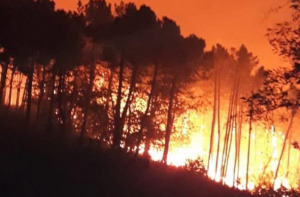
29, 96
228, 132
11, 87
149, 133
130, 94
107, 106
117, 134
127, 144
3, 83
144, 116
219, 123
170, 119
25, 95
230, 124
233, 121
289, 155
51, 104
72, 104
68, 104
236, 130
108, 96
89, 95
228, 151
236, 137
212, 132
41, 96
284, 143
237, 163
61, 103
129, 99
120, 118
249, 143
19, 90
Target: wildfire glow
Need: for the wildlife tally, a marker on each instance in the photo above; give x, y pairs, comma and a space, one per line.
191, 141
264, 157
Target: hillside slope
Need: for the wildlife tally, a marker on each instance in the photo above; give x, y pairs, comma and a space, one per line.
49, 166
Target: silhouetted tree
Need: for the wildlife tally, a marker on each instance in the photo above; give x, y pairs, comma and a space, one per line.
180, 59
67, 52
130, 32
22, 40
98, 19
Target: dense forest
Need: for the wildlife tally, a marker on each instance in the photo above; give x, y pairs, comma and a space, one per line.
120, 77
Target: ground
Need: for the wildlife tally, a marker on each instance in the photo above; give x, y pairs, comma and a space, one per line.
35, 164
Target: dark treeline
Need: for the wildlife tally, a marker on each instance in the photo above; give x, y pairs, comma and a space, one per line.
85, 70
117, 74
63, 55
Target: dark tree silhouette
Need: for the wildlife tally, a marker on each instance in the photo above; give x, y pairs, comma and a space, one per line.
178, 68
98, 19
67, 51
22, 40
130, 32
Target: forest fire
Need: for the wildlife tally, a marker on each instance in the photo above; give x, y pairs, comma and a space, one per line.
156, 94
265, 160
191, 142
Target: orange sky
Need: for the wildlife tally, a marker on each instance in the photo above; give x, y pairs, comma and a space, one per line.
229, 22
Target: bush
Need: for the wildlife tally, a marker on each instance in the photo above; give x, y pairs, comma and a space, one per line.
196, 166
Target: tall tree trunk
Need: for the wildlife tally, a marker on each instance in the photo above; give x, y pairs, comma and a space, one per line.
72, 104
170, 119
228, 151
289, 155
61, 103
117, 135
236, 137
219, 123
230, 124
89, 95
149, 134
3, 83
129, 99
128, 135
293, 113
238, 147
120, 118
236, 130
29, 96
41, 96
227, 132
233, 122
107, 106
19, 90
25, 95
51, 104
144, 116
249, 142
11, 87
130, 94
213, 123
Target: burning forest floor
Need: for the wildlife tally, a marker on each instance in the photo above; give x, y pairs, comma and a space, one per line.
33, 164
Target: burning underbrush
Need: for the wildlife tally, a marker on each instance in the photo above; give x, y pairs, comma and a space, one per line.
220, 153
